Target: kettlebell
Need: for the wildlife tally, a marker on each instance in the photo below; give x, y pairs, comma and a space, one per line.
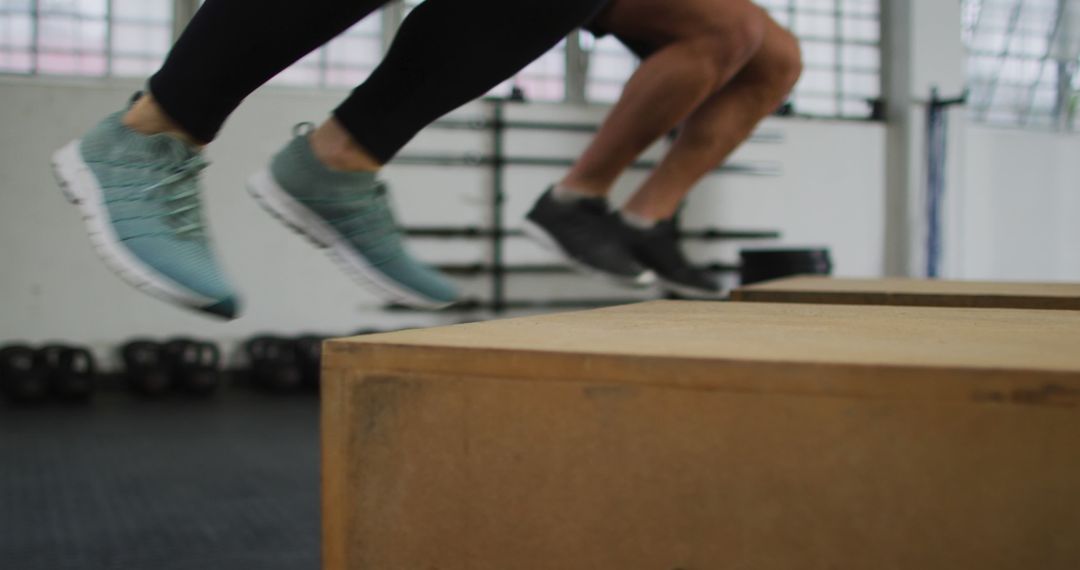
146, 368
70, 371
194, 366
274, 364
309, 349
21, 380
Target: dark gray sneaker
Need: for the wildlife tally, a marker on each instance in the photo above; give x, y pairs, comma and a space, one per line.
587, 237
658, 249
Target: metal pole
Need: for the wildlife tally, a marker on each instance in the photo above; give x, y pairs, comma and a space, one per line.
577, 69
1063, 104
498, 273
109, 24
935, 181
838, 52
1065, 52
35, 35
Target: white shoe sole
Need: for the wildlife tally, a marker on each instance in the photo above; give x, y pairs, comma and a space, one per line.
304, 221
538, 234
81, 188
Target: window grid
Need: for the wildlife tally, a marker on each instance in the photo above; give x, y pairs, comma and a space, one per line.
841, 42
130, 38
1022, 60
841, 45
343, 62
83, 37
610, 65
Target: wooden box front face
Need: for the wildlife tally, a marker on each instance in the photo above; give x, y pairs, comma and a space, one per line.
433, 459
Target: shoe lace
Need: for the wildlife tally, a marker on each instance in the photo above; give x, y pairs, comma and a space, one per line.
180, 192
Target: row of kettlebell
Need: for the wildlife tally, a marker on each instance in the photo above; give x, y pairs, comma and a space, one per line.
155, 369
275, 364
33, 375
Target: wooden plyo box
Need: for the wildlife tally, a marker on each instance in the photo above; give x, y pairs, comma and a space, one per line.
913, 292
701, 436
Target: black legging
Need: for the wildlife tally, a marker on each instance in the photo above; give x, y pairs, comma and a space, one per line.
446, 53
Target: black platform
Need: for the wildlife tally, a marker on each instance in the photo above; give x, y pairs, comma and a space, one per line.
229, 484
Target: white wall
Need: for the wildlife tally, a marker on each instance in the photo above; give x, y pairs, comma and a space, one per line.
1019, 207
1011, 198
53, 287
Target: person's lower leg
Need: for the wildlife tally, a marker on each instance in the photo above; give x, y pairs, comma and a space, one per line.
660, 94
668, 86
719, 126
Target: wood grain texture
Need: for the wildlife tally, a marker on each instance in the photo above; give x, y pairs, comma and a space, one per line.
681, 435
913, 292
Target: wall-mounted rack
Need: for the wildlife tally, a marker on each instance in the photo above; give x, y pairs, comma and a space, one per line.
474, 232
478, 269
748, 168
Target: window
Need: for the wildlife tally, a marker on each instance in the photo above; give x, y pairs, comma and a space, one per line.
841, 42
541, 80
98, 38
1021, 61
610, 65
84, 37
344, 62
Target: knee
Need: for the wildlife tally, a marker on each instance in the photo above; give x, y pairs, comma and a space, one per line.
740, 36
775, 69
724, 44
784, 64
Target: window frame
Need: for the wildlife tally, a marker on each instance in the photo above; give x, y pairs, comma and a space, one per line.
576, 76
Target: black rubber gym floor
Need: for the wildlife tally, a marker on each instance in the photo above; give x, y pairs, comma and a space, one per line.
123, 484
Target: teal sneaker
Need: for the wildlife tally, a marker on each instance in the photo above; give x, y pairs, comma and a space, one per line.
139, 197
348, 214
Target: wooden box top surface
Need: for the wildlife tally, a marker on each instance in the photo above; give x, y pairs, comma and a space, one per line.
1060, 296
696, 342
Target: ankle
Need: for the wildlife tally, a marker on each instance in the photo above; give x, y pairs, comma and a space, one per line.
567, 194
335, 148
646, 212
576, 189
147, 117
638, 221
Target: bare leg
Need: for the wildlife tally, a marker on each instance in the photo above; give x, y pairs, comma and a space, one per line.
701, 45
720, 125
338, 150
148, 118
